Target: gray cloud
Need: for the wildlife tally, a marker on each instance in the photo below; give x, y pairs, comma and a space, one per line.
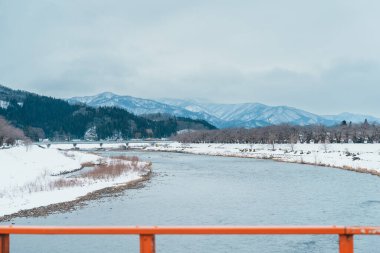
321, 56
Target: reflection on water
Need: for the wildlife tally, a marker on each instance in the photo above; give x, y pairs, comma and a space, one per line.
201, 190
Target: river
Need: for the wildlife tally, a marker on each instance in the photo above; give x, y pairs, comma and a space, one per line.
204, 190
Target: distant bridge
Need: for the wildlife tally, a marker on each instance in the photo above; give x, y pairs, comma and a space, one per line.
76, 143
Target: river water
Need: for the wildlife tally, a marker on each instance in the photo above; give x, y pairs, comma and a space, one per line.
204, 190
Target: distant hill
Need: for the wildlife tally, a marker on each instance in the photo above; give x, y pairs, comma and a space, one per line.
247, 115
41, 116
8, 94
251, 115
354, 118
140, 106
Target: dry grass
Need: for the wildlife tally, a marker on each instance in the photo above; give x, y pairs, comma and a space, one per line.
108, 171
39, 184
119, 166
88, 164
133, 159
102, 170
362, 170
127, 158
65, 183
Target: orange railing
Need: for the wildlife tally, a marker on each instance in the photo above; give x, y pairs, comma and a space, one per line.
147, 234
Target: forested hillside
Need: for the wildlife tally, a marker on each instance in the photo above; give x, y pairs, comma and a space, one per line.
41, 116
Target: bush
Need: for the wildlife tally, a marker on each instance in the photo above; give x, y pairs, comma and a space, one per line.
9, 134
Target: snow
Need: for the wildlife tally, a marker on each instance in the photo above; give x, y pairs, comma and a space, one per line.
89, 146
332, 155
4, 104
27, 173
359, 157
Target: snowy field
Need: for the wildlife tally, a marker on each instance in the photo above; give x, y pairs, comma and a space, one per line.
358, 157
31, 176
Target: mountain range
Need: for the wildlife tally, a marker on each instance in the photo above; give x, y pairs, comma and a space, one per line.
42, 117
247, 115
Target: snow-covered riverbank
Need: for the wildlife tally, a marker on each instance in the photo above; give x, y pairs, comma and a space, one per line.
31, 176
358, 157
34, 176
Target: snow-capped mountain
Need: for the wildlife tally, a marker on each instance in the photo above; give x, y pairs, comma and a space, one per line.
251, 114
135, 105
221, 115
139, 106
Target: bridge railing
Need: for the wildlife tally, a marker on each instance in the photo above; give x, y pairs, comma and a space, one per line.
147, 234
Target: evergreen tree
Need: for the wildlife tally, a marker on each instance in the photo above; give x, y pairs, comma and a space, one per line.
41, 116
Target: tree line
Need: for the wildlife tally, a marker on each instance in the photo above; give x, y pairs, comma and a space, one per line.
342, 133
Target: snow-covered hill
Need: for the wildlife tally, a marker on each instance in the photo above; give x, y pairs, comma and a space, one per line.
135, 105
221, 115
142, 106
252, 114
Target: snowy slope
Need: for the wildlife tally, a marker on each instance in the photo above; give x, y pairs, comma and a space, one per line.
28, 174
4, 104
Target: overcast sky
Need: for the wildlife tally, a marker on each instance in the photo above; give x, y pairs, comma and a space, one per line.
322, 56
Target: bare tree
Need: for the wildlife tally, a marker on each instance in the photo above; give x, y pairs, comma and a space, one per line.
9, 134
286, 134
293, 139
